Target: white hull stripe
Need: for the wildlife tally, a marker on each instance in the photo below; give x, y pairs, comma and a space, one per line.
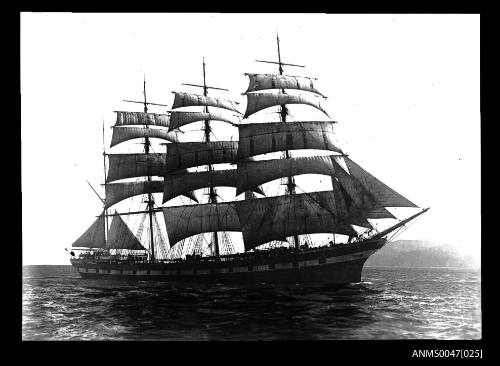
257, 268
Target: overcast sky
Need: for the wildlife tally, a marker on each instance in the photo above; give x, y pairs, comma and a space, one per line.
404, 89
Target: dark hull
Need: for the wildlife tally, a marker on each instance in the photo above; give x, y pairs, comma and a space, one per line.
338, 265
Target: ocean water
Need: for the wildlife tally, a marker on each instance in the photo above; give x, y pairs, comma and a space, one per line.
389, 304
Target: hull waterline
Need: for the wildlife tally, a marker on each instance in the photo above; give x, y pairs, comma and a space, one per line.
337, 265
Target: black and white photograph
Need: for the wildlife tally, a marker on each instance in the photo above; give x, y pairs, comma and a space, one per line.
250, 177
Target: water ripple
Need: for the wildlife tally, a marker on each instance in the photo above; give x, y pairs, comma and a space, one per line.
388, 304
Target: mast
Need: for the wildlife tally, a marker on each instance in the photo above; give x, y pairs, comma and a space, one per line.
104, 165
150, 200
290, 184
212, 195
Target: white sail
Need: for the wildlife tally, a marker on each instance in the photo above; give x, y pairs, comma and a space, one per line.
122, 134
259, 101
191, 154
252, 173
273, 81
116, 192
122, 166
179, 184
94, 236
189, 100
185, 221
140, 118
120, 236
273, 218
262, 138
181, 118
385, 195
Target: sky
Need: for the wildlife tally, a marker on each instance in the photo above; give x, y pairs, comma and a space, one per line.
404, 90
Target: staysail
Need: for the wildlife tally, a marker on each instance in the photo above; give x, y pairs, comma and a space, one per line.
189, 100
185, 221
385, 195
140, 118
94, 236
262, 138
273, 81
122, 134
259, 101
120, 236
365, 201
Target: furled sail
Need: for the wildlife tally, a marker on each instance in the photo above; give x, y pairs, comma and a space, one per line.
385, 195
116, 192
185, 221
189, 100
361, 198
273, 81
121, 134
122, 166
120, 236
252, 173
191, 154
178, 184
262, 138
140, 118
181, 118
274, 218
259, 101
93, 237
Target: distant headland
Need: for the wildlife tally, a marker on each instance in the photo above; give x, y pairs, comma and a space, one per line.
416, 253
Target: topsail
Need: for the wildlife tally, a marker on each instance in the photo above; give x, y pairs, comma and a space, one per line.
262, 138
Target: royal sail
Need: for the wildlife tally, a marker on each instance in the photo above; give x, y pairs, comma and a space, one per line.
122, 134
273, 81
182, 118
190, 100
260, 101
142, 119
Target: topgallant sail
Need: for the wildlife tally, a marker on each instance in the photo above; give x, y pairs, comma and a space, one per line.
277, 234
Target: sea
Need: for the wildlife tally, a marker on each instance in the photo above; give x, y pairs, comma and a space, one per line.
389, 303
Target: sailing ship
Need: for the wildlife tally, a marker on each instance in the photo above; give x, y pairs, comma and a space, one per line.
279, 232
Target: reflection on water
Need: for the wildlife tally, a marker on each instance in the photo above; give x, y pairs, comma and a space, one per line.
388, 304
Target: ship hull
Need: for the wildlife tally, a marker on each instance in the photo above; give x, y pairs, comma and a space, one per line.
338, 265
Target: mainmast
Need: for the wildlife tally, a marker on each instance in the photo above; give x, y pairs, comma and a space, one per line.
290, 181
150, 200
212, 194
